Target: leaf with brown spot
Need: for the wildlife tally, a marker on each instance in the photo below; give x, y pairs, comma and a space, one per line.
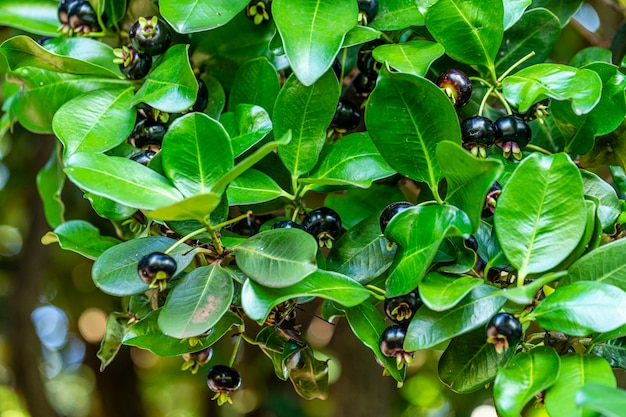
197, 302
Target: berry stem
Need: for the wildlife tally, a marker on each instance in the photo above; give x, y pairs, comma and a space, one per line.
515, 65
503, 101
538, 149
233, 356
231, 221
376, 292
185, 238
483, 102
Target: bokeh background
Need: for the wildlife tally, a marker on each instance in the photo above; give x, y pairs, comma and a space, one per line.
52, 316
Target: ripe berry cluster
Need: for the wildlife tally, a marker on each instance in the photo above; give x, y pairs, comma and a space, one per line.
323, 223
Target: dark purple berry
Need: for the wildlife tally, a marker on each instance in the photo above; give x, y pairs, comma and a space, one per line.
391, 344
202, 99
478, 134
504, 331
223, 380
363, 83
287, 224
347, 116
491, 199
133, 64
156, 269
512, 135
81, 17
402, 308
193, 361
150, 36
457, 86
365, 61
148, 132
143, 157
324, 224
390, 211
368, 9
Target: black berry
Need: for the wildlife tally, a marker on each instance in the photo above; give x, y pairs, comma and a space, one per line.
287, 224
512, 134
504, 331
402, 308
223, 380
491, 199
150, 36
202, 99
363, 83
148, 132
392, 344
193, 361
456, 85
347, 116
133, 64
365, 61
390, 211
478, 134
368, 9
324, 224
81, 17
143, 157
156, 269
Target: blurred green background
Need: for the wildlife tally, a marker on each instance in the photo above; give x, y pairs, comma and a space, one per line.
52, 316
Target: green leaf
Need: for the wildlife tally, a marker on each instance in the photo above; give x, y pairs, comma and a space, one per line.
541, 214
248, 125
525, 294
406, 117
440, 292
399, 14
609, 401
580, 131
563, 9
413, 57
146, 334
525, 376
419, 232
115, 271
116, 326
200, 15
469, 178
350, 161
614, 351
470, 30
469, 363
312, 33
576, 371
536, 31
257, 300
368, 325
121, 180
253, 187
310, 381
277, 258
115, 10
171, 85
217, 96
196, 153
22, 51
50, 182
197, 302
604, 264
256, 82
591, 54
81, 237
359, 35
513, 11
33, 16
361, 252
429, 328
90, 50
108, 208
581, 308
610, 206
95, 121
582, 87
316, 106
198, 207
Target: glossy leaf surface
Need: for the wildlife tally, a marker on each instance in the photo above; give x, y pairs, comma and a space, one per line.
406, 117
81, 237
277, 258
197, 302
35, 16
525, 376
312, 33
253, 187
604, 264
440, 292
412, 57
419, 231
200, 15
541, 204
429, 328
256, 82
609, 401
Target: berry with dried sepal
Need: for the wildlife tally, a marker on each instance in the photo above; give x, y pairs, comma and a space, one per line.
223, 380
504, 331
194, 360
402, 308
150, 36
512, 134
456, 85
259, 11
324, 224
368, 9
156, 268
478, 134
491, 200
133, 64
82, 18
392, 345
